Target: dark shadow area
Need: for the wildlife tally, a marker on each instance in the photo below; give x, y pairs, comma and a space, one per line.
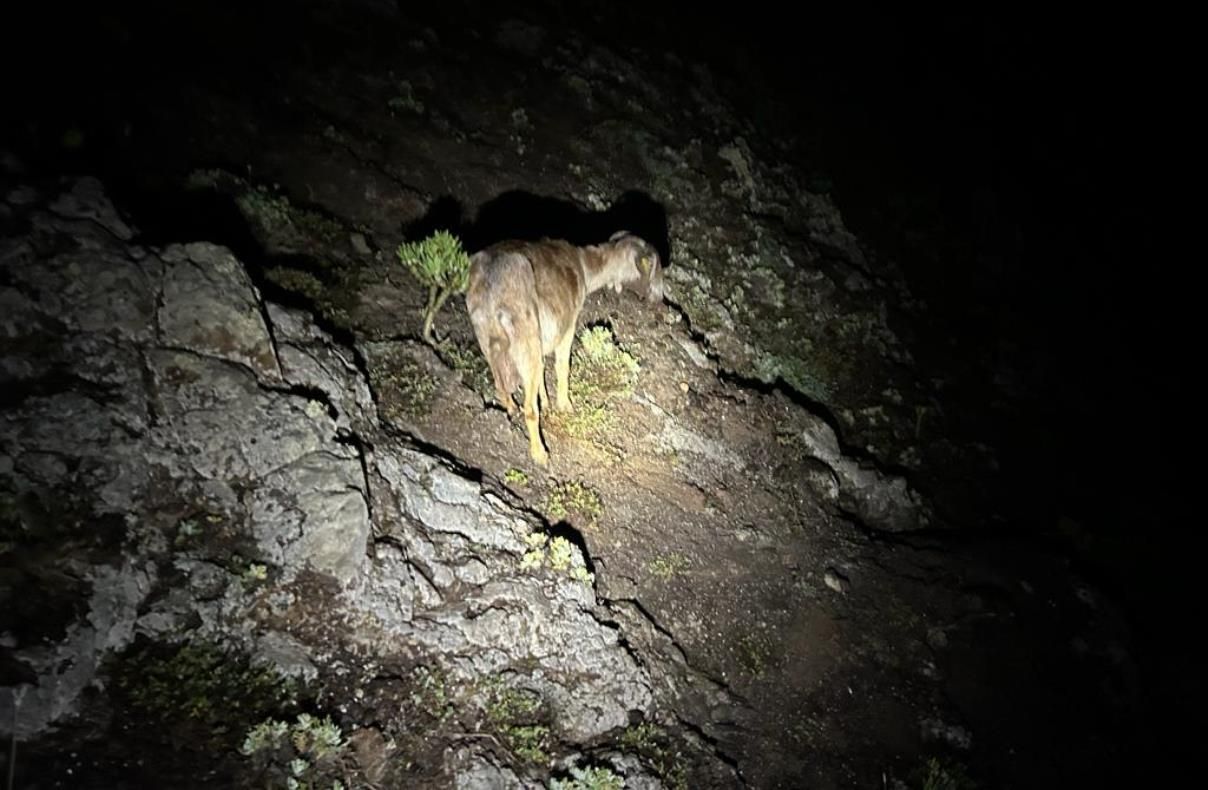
445, 213
167, 216
162, 212
639, 213
530, 217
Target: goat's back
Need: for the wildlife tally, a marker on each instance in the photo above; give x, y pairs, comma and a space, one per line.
547, 275
501, 300
500, 279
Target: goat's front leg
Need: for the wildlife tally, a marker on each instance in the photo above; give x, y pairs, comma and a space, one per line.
562, 368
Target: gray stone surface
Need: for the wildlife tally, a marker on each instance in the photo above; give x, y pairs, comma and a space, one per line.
146, 388
209, 306
224, 432
87, 200
472, 771
880, 500
503, 616
66, 668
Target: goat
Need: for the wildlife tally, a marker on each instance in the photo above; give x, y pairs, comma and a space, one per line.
524, 300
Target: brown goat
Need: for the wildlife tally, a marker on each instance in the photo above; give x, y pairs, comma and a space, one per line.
524, 300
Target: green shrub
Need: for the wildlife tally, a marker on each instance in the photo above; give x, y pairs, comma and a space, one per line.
654, 748
307, 754
197, 687
574, 499
607, 369
590, 778
946, 775
440, 263
600, 373
516, 715
516, 477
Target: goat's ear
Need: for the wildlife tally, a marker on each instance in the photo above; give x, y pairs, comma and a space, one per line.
644, 265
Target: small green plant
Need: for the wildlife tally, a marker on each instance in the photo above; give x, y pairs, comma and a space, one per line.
296, 281
404, 388
560, 554
198, 686
920, 411
754, 654
265, 735
606, 368
186, 530
793, 371
510, 705
515, 477
530, 742
289, 226
515, 715
72, 138
668, 565
189, 530
946, 775
306, 754
587, 421
535, 556
467, 359
651, 744
405, 99
642, 738
572, 498
590, 778
600, 373
430, 694
255, 572
281, 226
440, 263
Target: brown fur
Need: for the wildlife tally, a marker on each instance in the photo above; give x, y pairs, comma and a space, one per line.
524, 300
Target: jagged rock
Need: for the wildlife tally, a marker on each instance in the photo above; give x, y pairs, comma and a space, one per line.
475, 772
836, 580
210, 307
684, 440
169, 396
66, 668
309, 358
503, 616
87, 200
880, 500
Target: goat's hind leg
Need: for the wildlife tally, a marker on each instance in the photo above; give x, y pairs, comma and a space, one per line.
502, 373
503, 395
532, 371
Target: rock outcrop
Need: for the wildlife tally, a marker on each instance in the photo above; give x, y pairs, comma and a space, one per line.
208, 446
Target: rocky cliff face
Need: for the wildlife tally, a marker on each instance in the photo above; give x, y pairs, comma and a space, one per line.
232, 448
239, 497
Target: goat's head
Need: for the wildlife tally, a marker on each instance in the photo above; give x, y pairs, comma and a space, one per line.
644, 269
